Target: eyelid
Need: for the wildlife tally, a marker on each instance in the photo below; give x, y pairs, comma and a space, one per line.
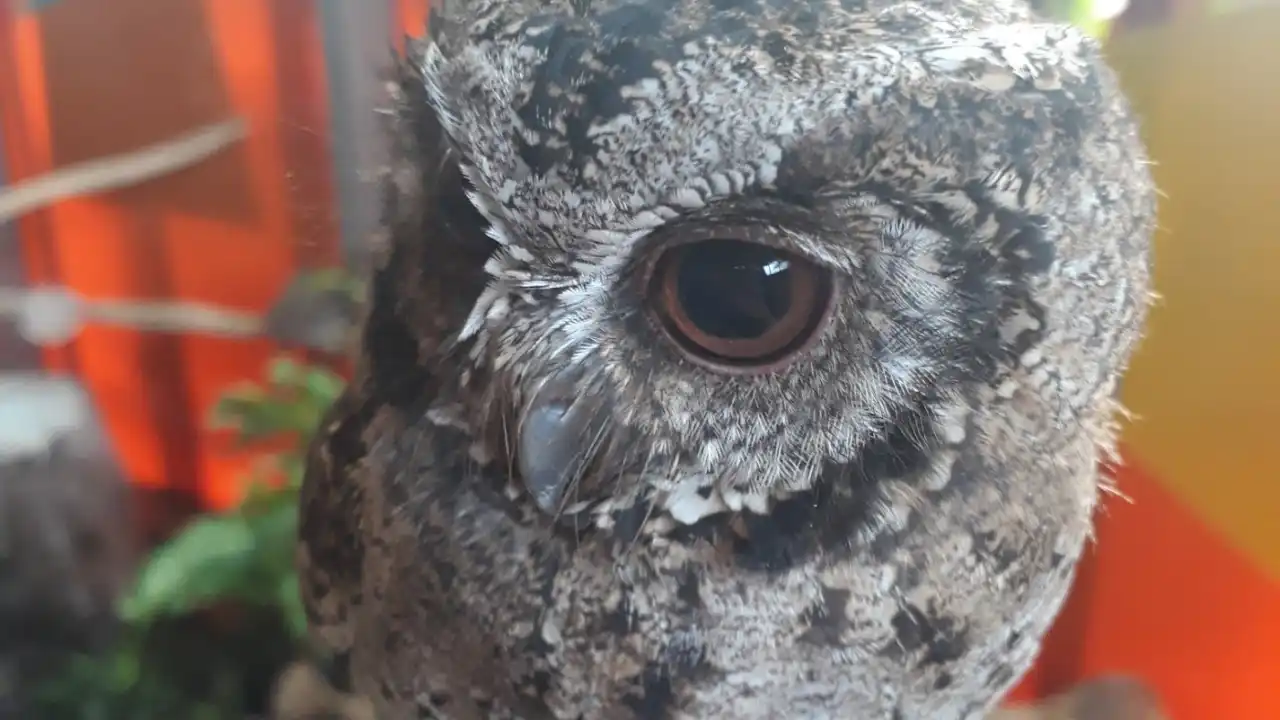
769, 234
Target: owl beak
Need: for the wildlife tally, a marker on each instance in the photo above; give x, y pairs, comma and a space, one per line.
554, 438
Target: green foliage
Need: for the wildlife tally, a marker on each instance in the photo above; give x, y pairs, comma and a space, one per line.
244, 557
324, 280
129, 684
1092, 16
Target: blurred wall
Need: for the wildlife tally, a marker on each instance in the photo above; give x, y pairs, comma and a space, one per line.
1206, 384
80, 78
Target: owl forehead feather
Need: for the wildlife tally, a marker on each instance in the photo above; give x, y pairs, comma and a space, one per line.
596, 127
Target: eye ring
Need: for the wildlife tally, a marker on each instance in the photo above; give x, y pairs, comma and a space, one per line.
738, 307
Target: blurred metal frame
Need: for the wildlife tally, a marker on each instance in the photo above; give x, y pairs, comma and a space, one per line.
357, 45
15, 352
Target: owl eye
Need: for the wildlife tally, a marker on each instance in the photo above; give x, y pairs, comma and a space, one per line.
738, 306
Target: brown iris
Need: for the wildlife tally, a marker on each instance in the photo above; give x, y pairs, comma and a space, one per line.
739, 306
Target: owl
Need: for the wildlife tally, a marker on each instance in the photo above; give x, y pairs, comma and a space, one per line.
729, 359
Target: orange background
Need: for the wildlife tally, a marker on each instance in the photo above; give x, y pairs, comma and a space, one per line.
1183, 587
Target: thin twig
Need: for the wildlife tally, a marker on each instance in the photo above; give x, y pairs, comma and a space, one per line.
121, 170
110, 173
173, 317
53, 315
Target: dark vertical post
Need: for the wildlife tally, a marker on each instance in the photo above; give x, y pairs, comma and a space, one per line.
357, 48
15, 352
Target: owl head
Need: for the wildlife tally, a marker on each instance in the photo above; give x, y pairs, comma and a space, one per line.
708, 253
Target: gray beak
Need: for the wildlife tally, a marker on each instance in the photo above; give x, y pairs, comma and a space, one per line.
557, 429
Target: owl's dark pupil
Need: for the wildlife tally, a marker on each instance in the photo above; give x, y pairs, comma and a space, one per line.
736, 306
732, 289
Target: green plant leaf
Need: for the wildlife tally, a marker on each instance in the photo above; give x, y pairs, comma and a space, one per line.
254, 416
285, 372
231, 407
290, 599
274, 522
324, 387
334, 279
209, 559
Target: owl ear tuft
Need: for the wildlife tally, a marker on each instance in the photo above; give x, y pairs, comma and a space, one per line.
428, 266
